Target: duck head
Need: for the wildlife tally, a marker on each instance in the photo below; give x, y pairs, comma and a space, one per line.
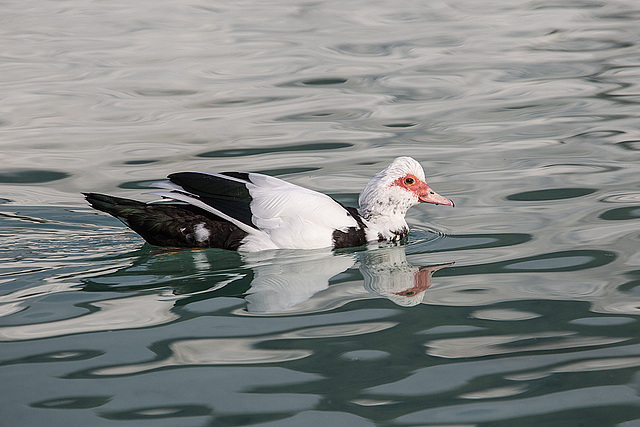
396, 188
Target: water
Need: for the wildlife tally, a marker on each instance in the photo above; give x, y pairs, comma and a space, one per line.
525, 113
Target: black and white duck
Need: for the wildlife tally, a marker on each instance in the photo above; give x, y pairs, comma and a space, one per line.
254, 212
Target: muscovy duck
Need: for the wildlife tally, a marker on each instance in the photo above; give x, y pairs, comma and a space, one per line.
254, 212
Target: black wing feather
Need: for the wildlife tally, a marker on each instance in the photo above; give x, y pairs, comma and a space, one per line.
166, 224
354, 236
230, 197
203, 184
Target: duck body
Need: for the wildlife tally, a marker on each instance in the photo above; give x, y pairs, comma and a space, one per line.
254, 212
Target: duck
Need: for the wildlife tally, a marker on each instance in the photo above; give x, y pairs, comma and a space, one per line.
246, 211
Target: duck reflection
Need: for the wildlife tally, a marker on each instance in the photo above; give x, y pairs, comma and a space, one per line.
282, 282
301, 283
386, 272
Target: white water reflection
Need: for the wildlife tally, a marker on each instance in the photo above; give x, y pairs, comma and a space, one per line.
246, 350
387, 273
480, 346
282, 282
114, 314
577, 398
605, 362
300, 284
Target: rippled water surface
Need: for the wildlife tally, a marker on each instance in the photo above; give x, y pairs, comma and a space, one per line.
519, 307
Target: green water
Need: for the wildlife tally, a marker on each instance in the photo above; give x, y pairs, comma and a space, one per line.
525, 113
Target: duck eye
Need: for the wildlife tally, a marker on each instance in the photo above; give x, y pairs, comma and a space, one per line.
409, 181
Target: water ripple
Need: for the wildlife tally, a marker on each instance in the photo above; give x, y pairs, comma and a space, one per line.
31, 176
121, 313
239, 351
257, 151
581, 399
480, 346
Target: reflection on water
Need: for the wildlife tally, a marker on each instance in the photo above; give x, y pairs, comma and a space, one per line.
504, 344
239, 351
283, 282
387, 273
286, 284
104, 315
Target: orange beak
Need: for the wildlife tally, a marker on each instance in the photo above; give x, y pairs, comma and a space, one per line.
427, 195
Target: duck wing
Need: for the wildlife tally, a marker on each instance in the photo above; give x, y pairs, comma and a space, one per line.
274, 213
224, 193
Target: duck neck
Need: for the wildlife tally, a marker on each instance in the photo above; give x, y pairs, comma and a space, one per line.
384, 206
385, 227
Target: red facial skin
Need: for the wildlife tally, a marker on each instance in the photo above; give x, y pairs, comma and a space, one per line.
425, 194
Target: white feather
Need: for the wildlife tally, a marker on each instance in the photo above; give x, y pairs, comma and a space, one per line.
293, 216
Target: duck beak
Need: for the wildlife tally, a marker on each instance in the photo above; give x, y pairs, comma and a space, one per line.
427, 195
